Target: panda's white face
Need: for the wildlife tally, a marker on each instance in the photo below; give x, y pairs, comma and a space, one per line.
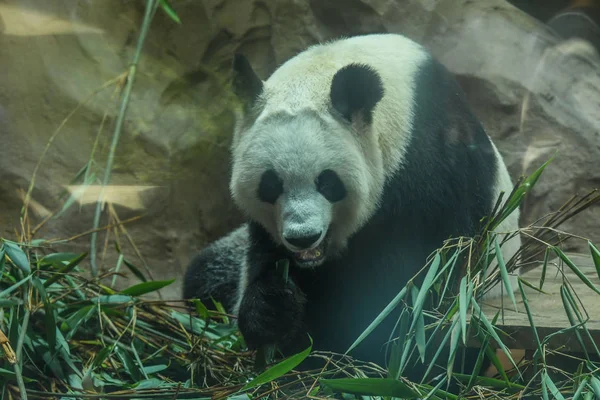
306, 163
305, 179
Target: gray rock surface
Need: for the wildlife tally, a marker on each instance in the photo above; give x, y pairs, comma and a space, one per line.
533, 95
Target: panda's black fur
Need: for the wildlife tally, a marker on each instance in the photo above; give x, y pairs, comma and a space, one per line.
443, 189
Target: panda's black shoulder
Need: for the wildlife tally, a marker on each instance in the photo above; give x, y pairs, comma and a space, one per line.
450, 166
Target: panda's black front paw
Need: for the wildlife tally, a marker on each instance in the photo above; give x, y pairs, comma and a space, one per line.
271, 313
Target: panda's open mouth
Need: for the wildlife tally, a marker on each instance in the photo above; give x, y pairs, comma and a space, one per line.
310, 258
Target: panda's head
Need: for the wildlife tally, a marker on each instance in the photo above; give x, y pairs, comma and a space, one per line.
311, 175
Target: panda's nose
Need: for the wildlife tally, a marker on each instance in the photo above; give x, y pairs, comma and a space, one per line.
303, 242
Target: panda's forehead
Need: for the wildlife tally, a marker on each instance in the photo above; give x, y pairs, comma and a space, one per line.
295, 145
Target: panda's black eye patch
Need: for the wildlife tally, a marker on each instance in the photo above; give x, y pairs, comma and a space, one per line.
330, 186
270, 187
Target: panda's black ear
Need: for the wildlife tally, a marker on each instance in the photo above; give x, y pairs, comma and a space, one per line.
356, 88
246, 84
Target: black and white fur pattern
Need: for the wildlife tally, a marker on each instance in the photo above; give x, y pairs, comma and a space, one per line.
355, 160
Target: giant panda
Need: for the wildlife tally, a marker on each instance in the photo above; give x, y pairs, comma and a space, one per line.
354, 160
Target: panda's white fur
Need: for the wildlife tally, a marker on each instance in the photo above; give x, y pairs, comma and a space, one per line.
291, 124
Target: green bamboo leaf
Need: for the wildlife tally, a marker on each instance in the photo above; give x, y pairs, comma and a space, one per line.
17, 256
595, 256
11, 375
580, 388
574, 268
525, 187
490, 382
10, 303
168, 9
8, 291
595, 384
65, 270
145, 287
530, 285
74, 321
463, 302
544, 267
279, 369
386, 311
454, 338
490, 329
544, 388
128, 364
111, 299
153, 369
478, 363
552, 387
101, 356
450, 263
433, 392
504, 274
58, 259
49, 315
419, 327
201, 309
580, 318
371, 387
397, 348
2, 260
135, 270
567, 304
393, 369
427, 282
530, 318
440, 349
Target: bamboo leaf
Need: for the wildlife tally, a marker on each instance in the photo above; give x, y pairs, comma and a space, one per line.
574, 268
17, 256
544, 267
572, 321
49, 315
65, 270
371, 387
490, 382
552, 387
145, 287
279, 369
58, 259
128, 363
454, 338
504, 274
168, 9
394, 370
490, 329
595, 384
135, 270
580, 388
595, 256
14, 287
440, 349
386, 311
530, 318
463, 301
419, 327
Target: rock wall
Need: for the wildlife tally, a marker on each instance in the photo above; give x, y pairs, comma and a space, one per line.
534, 94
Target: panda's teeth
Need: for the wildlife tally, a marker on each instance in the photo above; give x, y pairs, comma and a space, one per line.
310, 254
